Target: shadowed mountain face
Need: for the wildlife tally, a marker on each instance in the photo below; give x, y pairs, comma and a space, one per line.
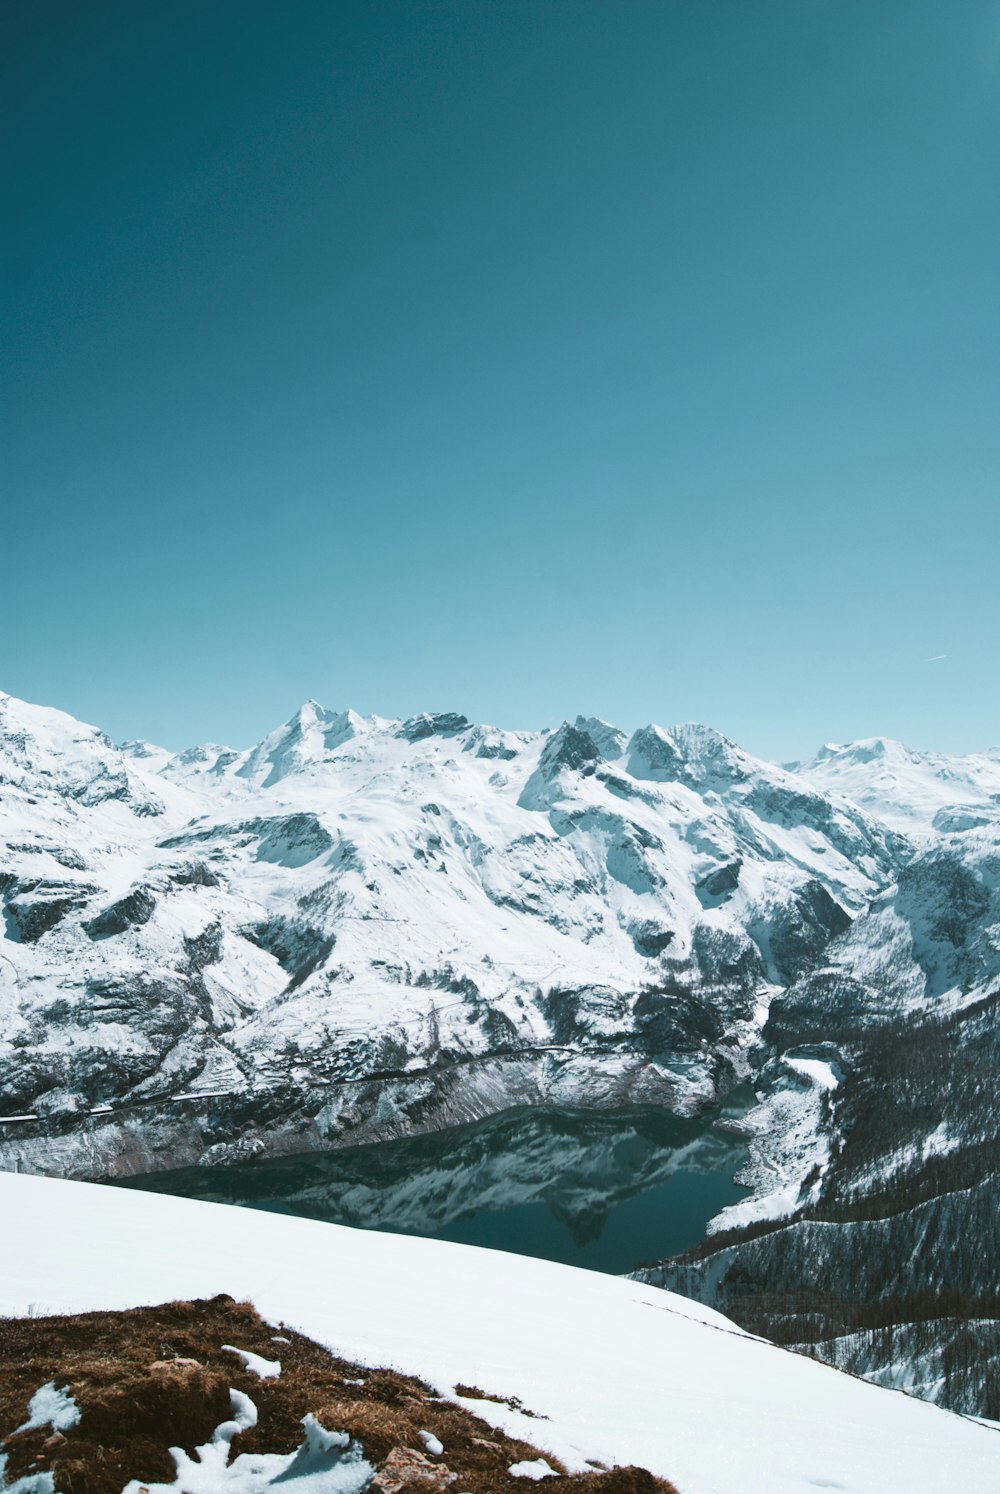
600, 1189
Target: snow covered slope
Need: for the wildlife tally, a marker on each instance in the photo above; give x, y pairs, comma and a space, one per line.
363, 927
621, 1373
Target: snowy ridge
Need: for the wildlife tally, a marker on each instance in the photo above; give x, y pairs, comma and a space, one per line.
622, 1372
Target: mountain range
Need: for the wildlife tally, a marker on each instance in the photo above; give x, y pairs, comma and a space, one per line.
361, 929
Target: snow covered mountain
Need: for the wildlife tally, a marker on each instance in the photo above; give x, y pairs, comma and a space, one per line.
911, 791
363, 928
360, 927
614, 1372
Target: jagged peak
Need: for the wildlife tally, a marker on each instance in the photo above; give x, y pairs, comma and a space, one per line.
689, 752
311, 710
569, 746
492, 742
201, 752
695, 736
305, 738
610, 740
141, 748
312, 713
433, 724
653, 753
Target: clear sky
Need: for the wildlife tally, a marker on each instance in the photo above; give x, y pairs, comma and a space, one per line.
516, 357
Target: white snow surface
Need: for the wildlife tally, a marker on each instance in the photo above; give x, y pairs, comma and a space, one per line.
815, 1069
264, 1369
51, 1407
624, 1373
324, 1463
28, 1483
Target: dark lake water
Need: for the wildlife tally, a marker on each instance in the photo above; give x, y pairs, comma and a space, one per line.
601, 1189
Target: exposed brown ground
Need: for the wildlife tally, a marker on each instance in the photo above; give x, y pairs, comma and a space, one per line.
137, 1400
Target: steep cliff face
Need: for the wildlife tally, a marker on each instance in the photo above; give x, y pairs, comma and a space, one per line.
362, 928
874, 1235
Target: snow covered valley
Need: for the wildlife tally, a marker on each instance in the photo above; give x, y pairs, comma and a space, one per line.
363, 930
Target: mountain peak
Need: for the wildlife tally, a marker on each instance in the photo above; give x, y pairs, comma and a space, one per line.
689, 753
609, 740
312, 713
866, 750
310, 735
433, 724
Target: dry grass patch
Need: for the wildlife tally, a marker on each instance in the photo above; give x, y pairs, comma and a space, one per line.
157, 1377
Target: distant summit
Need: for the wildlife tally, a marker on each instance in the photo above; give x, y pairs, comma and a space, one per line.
912, 791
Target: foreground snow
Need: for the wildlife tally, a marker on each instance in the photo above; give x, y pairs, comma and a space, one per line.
325, 1463
622, 1372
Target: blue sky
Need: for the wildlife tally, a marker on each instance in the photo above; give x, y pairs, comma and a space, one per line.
518, 358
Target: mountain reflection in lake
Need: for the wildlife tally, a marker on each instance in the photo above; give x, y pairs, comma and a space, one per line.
597, 1189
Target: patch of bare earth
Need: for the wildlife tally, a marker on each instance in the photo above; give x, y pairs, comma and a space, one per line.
154, 1378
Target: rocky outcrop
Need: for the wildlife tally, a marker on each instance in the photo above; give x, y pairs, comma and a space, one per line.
128, 912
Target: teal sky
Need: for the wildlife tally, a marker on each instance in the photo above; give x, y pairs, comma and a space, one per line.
516, 357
